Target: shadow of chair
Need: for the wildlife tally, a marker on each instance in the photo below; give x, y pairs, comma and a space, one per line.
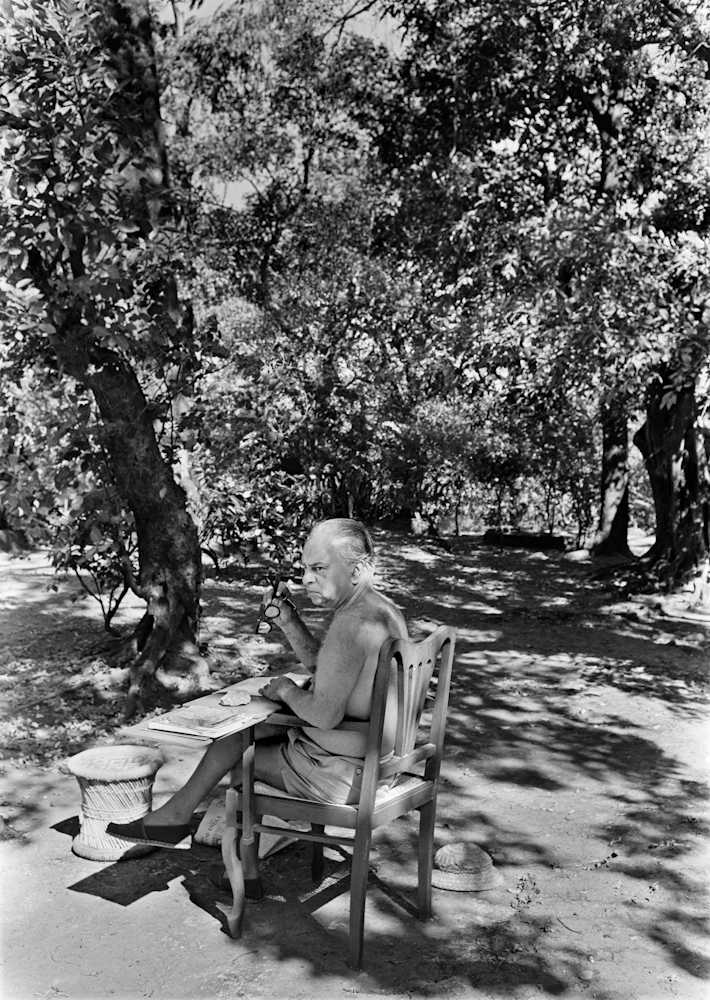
406, 673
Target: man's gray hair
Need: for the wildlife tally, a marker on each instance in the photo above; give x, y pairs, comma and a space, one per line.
354, 541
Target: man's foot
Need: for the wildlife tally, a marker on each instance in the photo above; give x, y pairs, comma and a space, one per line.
217, 876
137, 832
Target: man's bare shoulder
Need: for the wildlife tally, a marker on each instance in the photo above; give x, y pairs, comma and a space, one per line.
373, 618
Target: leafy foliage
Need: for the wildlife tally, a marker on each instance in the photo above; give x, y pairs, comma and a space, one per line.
415, 274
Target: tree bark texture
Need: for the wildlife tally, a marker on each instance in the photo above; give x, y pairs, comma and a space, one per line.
168, 546
611, 538
674, 455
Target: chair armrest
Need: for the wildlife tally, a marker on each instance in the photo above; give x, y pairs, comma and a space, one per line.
349, 725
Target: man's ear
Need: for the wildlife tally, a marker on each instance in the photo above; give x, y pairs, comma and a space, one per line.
357, 572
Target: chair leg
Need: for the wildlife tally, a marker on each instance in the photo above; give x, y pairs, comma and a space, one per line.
250, 843
358, 894
249, 854
427, 817
317, 862
235, 912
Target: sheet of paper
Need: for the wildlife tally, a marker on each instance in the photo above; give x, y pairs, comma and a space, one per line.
206, 717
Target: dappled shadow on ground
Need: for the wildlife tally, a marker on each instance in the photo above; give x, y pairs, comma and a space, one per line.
126, 881
515, 602
401, 954
299, 921
640, 816
560, 762
44, 615
23, 805
542, 660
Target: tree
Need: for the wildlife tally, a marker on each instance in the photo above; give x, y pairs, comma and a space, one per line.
675, 451
611, 537
553, 142
262, 99
88, 292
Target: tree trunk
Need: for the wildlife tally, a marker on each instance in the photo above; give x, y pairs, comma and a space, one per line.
702, 427
673, 453
169, 551
168, 546
611, 538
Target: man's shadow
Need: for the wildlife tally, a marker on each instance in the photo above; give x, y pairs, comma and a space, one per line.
125, 883
287, 873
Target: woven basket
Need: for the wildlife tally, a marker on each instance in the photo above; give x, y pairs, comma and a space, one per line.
116, 787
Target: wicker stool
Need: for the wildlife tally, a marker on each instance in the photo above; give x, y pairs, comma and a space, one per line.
116, 787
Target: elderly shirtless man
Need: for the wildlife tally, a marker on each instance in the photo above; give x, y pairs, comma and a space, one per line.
313, 762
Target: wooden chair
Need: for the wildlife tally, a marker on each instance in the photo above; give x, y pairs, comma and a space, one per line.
413, 769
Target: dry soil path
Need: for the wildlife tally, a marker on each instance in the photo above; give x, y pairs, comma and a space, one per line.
577, 756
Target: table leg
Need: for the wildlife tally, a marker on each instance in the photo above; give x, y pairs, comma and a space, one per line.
235, 874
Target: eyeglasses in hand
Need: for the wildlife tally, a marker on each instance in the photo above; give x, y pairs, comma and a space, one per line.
268, 613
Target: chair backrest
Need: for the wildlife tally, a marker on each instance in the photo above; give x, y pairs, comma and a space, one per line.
404, 674
404, 671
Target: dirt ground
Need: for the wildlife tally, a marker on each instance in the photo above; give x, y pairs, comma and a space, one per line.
577, 757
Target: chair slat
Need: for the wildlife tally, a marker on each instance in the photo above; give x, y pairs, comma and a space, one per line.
397, 764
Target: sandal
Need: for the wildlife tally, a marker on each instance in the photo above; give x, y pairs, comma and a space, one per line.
137, 832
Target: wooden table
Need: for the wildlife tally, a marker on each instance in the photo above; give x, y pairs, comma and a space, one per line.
258, 710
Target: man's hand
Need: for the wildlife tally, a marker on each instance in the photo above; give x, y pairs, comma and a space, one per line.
285, 615
286, 610
277, 687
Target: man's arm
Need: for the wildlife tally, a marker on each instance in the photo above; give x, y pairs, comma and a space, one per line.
345, 650
302, 642
300, 639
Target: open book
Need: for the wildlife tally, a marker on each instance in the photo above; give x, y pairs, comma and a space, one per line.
208, 718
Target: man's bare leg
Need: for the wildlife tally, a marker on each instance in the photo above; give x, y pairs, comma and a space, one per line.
221, 757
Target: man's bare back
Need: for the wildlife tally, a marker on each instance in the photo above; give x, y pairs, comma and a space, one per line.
361, 626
